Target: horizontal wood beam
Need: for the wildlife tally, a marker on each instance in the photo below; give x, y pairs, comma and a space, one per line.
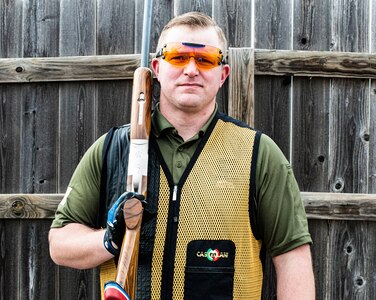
331, 206
118, 67
340, 206
315, 64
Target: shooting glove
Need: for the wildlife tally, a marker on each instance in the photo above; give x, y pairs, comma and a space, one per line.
115, 227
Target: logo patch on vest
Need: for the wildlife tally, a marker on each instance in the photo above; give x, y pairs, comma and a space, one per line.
212, 255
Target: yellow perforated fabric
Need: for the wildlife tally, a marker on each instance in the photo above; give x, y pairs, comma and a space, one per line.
160, 236
214, 206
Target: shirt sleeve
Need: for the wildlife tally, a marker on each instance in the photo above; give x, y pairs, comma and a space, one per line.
81, 200
281, 217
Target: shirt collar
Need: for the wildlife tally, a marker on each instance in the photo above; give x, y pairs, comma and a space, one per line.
161, 124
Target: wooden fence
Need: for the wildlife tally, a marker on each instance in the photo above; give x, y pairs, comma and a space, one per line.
343, 228
303, 72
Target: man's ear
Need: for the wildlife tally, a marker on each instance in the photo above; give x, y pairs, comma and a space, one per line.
155, 66
225, 73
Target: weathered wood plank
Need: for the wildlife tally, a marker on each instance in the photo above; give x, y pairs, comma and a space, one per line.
10, 253
118, 67
349, 132
69, 68
232, 16
349, 103
76, 99
312, 25
310, 107
372, 141
273, 93
273, 24
241, 85
11, 28
39, 145
315, 63
115, 35
343, 258
183, 6
10, 137
40, 28
340, 206
29, 206
115, 27
310, 133
335, 206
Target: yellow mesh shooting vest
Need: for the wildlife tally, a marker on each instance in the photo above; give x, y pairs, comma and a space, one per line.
211, 205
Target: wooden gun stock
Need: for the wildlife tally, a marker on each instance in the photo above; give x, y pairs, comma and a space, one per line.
137, 178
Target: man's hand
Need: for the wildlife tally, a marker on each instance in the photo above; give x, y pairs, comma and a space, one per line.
115, 227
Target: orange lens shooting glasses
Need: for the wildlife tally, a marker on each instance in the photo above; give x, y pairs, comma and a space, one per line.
179, 55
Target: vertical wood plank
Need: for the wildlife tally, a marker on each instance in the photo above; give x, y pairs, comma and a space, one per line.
10, 29
273, 24
310, 121
349, 127
241, 85
39, 140
162, 13
11, 265
77, 127
77, 99
372, 140
272, 94
10, 111
41, 28
235, 18
372, 130
35, 282
347, 270
115, 35
10, 98
349, 104
183, 6
310, 134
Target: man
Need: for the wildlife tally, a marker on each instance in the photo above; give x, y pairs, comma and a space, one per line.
218, 189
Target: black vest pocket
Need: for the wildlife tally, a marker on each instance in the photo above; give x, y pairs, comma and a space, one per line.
209, 270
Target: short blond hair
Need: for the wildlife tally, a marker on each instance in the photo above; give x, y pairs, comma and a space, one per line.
194, 19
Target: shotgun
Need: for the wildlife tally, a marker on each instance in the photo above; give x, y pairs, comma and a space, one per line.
124, 286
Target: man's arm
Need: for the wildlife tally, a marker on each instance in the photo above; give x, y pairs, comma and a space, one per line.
78, 246
294, 271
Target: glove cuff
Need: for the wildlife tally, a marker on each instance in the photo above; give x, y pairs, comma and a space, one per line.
108, 245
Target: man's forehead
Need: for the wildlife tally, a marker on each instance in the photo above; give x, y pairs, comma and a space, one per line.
182, 33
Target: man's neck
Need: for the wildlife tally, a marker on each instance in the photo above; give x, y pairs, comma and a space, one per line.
187, 124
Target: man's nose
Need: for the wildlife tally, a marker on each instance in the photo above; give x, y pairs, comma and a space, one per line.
191, 68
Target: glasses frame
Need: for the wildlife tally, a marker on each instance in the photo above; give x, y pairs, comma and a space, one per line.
221, 59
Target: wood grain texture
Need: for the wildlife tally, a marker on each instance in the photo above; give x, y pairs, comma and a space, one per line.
183, 6
118, 67
310, 134
334, 206
241, 85
273, 24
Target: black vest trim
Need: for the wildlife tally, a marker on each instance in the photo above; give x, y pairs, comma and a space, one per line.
113, 184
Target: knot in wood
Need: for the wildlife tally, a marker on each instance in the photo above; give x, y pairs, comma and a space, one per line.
360, 281
17, 207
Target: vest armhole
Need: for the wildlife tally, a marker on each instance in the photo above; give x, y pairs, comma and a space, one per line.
253, 194
102, 202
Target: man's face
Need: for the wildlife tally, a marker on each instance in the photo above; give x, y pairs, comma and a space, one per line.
188, 88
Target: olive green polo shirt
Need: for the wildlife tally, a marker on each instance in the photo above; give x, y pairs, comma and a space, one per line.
175, 151
281, 217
